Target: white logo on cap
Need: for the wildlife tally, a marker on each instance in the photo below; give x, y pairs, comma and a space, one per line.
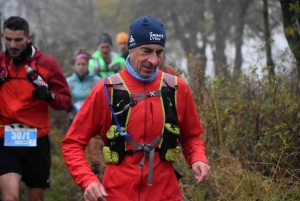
131, 41
156, 37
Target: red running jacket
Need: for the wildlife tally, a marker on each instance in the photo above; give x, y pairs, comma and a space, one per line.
125, 181
17, 104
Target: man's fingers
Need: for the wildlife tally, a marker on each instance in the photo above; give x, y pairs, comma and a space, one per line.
201, 178
206, 173
95, 192
199, 174
196, 170
202, 172
89, 196
93, 196
102, 190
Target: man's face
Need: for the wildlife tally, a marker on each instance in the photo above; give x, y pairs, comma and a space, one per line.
122, 47
105, 49
146, 58
15, 41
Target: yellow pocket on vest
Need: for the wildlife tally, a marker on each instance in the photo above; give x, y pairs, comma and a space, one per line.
110, 156
113, 132
172, 128
172, 154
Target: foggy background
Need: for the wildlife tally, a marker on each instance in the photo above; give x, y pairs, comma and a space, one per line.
241, 59
226, 36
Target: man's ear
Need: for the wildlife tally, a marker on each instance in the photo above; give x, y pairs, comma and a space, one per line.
2, 36
29, 38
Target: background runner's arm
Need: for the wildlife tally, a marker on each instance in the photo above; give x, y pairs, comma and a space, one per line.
57, 84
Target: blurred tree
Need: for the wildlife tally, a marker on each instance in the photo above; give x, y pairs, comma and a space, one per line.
229, 19
194, 27
291, 23
222, 12
62, 26
239, 32
191, 28
267, 36
116, 15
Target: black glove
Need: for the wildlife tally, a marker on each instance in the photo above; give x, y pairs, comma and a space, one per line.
42, 93
1, 80
71, 108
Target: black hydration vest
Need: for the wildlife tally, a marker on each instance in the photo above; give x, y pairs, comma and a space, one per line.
121, 101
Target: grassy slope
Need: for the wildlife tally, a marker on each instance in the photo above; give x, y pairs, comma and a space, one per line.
230, 181
252, 140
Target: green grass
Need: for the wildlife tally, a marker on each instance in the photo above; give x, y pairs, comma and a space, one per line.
230, 181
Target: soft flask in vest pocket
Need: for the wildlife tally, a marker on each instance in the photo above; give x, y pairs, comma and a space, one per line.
114, 149
169, 145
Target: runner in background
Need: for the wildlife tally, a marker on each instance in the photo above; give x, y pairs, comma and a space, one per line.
104, 61
122, 40
81, 82
30, 82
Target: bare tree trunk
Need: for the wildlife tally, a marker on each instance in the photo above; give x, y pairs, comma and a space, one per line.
243, 6
221, 69
292, 36
219, 56
197, 60
270, 63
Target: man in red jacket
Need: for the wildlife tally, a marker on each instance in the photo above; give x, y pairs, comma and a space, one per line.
30, 82
142, 114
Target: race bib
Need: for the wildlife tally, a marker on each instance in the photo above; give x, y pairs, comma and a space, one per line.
20, 135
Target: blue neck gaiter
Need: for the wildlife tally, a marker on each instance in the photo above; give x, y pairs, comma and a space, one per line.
136, 75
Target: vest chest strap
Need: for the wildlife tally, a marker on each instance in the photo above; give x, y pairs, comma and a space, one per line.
144, 95
148, 150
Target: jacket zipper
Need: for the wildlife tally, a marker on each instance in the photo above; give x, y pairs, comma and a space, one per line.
151, 108
145, 128
16, 86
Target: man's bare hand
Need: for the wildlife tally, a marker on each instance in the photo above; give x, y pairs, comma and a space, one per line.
95, 192
202, 171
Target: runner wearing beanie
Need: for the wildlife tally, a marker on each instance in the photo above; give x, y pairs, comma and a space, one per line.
143, 116
122, 39
104, 61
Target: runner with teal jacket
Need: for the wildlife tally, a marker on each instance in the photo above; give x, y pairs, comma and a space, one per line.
81, 83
